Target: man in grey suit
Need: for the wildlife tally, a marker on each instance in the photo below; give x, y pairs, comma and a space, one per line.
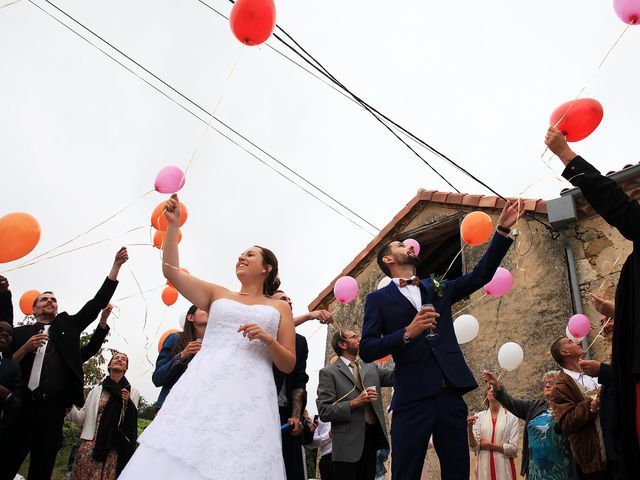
348, 397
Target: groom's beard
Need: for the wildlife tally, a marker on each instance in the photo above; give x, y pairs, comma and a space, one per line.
407, 259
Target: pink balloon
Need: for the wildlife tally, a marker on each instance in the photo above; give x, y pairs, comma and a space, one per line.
346, 289
410, 242
628, 11
500, 284
579, 325
169, 180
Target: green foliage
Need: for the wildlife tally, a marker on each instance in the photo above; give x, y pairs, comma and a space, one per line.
311, 455
142, 424
95, 368
146, 410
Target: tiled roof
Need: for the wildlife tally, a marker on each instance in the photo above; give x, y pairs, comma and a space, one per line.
480, 202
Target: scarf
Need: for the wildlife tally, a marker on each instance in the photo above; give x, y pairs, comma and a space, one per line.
118, 428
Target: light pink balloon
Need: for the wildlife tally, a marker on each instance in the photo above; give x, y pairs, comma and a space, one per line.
410, 242
628, 11
579, 325
346, 289
169, 180
500, 284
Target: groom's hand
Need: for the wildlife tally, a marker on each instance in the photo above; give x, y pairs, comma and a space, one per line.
424, 320
297, 426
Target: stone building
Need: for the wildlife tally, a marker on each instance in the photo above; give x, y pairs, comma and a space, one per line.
562, 252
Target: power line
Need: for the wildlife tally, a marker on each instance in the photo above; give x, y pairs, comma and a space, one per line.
205, 111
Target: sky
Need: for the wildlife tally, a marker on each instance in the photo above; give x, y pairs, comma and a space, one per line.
82, 138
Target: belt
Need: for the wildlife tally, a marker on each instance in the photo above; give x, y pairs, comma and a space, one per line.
39, 396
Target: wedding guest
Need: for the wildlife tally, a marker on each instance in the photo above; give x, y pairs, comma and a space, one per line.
177, 351
545, 449
109, 421
493, 436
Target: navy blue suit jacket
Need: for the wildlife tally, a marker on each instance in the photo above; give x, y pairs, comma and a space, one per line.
422, 365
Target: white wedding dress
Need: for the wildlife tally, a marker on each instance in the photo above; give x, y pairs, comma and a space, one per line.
221, 419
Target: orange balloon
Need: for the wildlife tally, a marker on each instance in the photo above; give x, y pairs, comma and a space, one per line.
169, 296
184, 270
383, 359
158, 238
26, 301
158, 220
476, 228
164, 337
19, 235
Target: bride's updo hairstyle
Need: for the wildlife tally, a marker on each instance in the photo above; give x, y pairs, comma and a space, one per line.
272, 282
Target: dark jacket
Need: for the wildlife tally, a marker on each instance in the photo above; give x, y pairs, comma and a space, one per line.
575, 418
298, 378
527, 410
168, 368
422, 365
11, 379
619, 211
6, 307
65, 333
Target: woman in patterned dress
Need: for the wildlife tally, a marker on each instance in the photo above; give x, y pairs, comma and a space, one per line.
109, 420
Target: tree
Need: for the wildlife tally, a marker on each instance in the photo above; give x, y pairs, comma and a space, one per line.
94, 368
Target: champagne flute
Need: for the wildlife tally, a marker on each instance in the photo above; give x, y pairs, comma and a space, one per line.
432, 331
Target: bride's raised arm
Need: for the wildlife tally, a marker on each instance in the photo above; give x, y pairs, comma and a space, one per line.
197, 291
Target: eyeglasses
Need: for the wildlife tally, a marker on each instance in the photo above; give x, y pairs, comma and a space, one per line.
549, 383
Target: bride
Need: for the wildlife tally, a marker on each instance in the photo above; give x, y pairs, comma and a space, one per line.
221, 419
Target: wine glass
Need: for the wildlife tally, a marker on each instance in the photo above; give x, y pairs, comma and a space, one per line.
432, 331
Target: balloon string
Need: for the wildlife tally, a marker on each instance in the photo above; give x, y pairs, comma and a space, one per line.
453, 261
138, 294
469, 306
146, 317
487, 396
597, 335
613, 266
29, 264
8, 4
92, 228
215, 110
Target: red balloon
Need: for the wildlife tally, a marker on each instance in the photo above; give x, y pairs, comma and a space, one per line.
253, 21
577, 119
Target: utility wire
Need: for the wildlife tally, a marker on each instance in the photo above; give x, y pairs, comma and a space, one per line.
205, 111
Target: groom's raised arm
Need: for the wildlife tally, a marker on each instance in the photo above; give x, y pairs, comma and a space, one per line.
373, 345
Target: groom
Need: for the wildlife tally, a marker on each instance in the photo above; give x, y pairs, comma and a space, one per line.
430, 372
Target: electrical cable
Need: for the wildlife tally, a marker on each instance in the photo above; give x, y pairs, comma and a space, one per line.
203, 120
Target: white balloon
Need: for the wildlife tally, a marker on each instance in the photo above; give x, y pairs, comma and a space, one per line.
571, 337
466, 328
383, 283
182, 319
510, 356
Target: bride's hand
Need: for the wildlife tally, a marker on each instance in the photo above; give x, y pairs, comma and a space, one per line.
172, 210
253, 331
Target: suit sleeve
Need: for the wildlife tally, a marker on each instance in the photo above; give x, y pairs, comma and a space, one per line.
91, 309
482, 273
386, 376
328, 409
95, 343
11, 406
299, 374
168, 367
6, 307
606, 197
571, 417
605, 377
373, 344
